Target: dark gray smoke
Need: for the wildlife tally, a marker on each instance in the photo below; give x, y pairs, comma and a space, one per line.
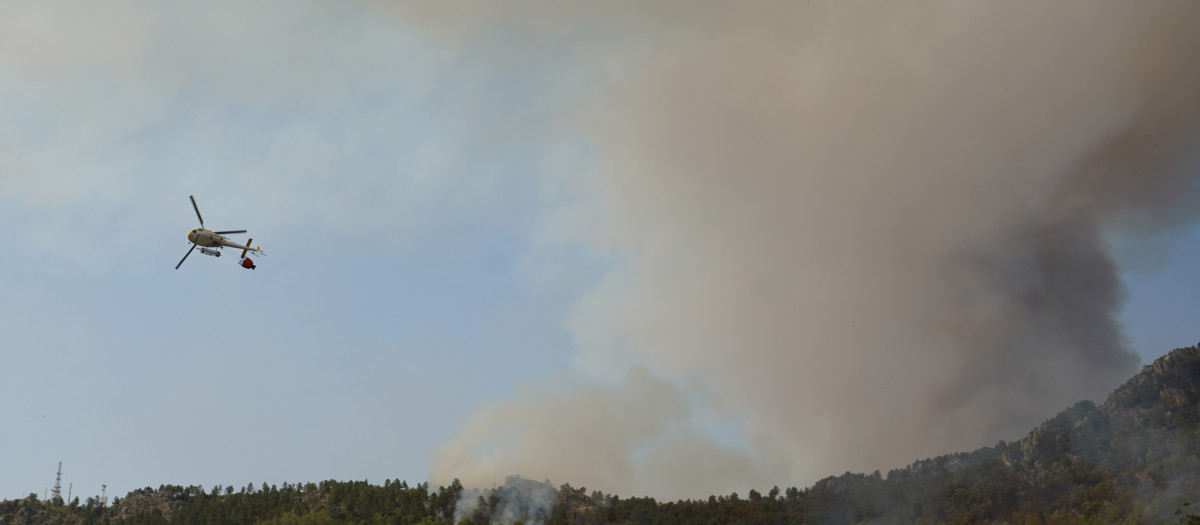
874, 232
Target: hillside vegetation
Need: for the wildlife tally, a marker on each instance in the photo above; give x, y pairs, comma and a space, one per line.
1135, 459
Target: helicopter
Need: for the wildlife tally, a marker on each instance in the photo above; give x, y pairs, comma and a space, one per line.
211, 242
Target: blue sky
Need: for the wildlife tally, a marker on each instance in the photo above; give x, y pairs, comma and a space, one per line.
394, 203
1159, 311
416, 208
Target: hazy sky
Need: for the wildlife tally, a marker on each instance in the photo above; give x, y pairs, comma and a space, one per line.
572, 242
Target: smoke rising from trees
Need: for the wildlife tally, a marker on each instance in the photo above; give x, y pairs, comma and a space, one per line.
874, 232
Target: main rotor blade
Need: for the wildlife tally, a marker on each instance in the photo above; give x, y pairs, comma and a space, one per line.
229, 232
197, 208
185, 256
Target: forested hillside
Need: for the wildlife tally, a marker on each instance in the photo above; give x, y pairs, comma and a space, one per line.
1133, 459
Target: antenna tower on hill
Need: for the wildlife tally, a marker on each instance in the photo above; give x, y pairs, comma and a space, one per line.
56, 494
103, 495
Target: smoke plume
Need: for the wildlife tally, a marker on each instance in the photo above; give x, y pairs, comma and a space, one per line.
874, 232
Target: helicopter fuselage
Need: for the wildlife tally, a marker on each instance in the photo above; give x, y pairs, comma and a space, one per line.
206, 238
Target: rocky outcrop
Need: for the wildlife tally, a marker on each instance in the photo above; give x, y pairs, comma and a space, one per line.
1170, 384
138, 504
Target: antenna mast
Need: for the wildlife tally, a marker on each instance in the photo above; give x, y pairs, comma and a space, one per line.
103, 495
56, 494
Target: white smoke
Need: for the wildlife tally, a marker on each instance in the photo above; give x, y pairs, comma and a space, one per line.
517, 500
